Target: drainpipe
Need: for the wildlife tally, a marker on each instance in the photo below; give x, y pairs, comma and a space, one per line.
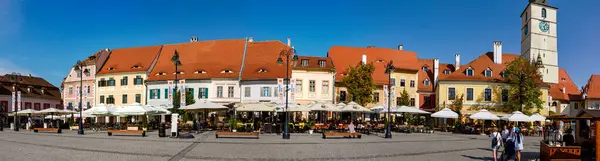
242, 68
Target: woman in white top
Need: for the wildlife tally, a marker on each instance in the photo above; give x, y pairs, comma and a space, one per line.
518, 139
496, 138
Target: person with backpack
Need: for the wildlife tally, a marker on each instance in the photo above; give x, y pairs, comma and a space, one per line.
496, 142
518, 139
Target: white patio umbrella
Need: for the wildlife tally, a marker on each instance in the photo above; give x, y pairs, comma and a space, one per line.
162, 110
484, 115
202, 105
256, 107
377, 108
445, 113
319, 106
299, 108
101, 110
134, 110
392, 110
354, 107
537, 117
406, 109
27, 112
518, 116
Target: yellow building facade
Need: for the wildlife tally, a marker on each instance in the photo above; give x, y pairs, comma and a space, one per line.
120, 89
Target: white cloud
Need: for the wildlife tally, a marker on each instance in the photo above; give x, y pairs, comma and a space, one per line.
7, 67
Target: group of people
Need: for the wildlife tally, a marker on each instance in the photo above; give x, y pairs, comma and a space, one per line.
509, 138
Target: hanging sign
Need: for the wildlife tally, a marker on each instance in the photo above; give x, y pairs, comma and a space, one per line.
183, 91
19, 100
170, 93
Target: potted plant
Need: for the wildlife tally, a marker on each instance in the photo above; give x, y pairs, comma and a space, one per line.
73, 124
144, 123
310, 125
233, 124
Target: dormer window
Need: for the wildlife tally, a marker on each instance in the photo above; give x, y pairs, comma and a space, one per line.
200, 72
136, 67
179, 72
446, 72
304, 62
43, 90
161, 73
426, 82
29, 88
111, 68
425, 68
227, 71
344, 74
488, 72
322, 63
470, 71
262, 70
563, 79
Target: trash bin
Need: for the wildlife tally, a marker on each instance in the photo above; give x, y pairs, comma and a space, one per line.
162, 130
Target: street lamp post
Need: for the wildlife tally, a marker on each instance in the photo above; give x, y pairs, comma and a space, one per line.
176, 62
389, 69
16, 88
2, 117
287, 54
79, 67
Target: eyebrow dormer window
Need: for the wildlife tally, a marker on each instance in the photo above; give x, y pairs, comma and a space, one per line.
262, 70
179, 72
446, 72
469, 71
322, 63
200, 72
344, 74
161, 73
227, 71
111, 68
425, 68
136, 67
563, 79
488, 72
304, 62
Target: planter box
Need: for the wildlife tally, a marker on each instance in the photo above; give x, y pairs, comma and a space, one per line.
74, 127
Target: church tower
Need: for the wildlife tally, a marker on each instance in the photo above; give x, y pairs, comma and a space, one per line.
538, 38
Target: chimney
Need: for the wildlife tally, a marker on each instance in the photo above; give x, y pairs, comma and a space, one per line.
456, 62
371, 46
436, 70
564, 90
400, 47
289, 41
194, 39
106, 49
498, 52
250, 39
364, 59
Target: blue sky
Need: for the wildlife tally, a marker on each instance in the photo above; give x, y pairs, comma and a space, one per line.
46, 38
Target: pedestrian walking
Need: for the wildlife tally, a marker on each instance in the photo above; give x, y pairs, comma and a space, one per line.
496, 138
518, 139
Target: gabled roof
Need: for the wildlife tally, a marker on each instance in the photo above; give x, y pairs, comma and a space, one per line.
124, 59
24, 82
593, 87
261, 61
479, 65
313, 63
571, 90
344, 57
429, 74
200, 60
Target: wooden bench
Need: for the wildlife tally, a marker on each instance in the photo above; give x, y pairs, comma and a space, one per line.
341, 134
138, 132
242, 134
58, 130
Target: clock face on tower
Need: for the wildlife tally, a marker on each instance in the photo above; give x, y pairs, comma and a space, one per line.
544, 26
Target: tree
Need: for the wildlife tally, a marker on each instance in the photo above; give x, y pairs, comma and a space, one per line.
404, 99
189, 100
525, 81
359, 83
457, 106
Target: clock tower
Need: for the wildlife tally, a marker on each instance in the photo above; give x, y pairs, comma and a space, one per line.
538, 38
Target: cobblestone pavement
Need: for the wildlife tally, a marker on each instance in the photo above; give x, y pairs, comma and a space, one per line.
24, 145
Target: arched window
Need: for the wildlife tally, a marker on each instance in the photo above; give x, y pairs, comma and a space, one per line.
543, 13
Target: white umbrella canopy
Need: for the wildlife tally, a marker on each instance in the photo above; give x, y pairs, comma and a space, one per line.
537, 117
340, 105
258, 107
204, 105
484, 115
160, 109
26, 112
377, 108
406, 109
518, 116
54, 111
392, 110
101, 110
319, 106
445, 113
135, 109
505, 117
354, 107
299, 108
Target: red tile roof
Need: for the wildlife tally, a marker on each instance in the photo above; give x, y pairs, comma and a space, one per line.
429, 74
24, 82
261, 61
313, 63
211, 57
593, 87
344, 57
124, 59
571, 93
479, 65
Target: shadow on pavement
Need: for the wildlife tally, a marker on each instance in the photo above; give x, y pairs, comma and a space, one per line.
478, 158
